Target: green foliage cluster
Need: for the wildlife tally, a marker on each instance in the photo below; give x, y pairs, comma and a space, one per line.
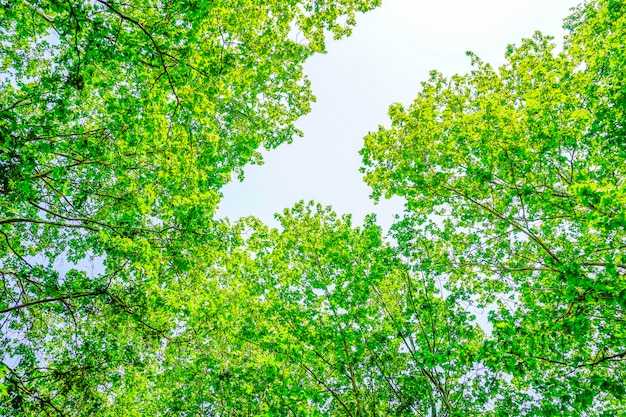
515, 180
122, 295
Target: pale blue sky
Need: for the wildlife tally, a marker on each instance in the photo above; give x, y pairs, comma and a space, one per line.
390, 51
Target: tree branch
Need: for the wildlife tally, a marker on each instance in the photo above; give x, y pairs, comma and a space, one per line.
54, 299
39, 12
149, 35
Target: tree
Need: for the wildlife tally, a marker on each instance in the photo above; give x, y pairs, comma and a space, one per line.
350, 328
516, 178
120, 121
317, 318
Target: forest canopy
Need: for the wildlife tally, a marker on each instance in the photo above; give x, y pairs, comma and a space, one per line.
123, 295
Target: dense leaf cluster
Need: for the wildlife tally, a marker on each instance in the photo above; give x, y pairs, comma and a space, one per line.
500, 291
514, 179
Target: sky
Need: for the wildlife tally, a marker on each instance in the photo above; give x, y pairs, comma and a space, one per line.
392, 49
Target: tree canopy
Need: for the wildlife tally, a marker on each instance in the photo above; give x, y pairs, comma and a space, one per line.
120, 121
515, 177
500, 291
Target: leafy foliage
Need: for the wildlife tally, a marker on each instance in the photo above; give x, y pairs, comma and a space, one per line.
516, 178
120, 121
501, 291
356, 332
